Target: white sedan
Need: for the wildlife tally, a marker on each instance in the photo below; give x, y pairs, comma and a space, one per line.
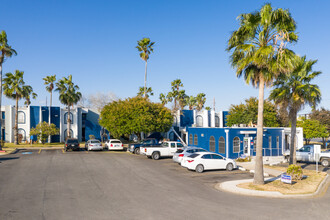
113, 144
208, 161
93, 145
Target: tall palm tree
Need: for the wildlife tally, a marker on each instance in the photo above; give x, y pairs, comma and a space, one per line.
200, 100
175, 93
259, 54
146, 92
15, 88
163, 98
69, 96
295, 91
5, 52
49, 81
145, 47
191, 102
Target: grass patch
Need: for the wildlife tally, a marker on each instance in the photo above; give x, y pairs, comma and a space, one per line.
12, 145
307, 185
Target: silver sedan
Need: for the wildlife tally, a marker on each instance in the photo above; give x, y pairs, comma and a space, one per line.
93, 145
177, 157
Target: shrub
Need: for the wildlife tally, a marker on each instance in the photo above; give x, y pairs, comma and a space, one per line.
246, 159
295, 172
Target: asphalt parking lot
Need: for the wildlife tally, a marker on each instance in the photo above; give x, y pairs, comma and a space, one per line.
54, 184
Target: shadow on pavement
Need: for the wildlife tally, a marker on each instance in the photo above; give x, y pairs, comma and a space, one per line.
8, 158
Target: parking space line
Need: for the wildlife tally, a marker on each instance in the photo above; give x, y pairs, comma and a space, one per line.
39, 151
63, 151
86, 152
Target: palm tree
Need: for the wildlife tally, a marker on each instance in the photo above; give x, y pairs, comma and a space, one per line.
49, 81
175, 93
200, 100
295, 91
191, 102
5, 52
259, 54
145, 47
146, 93
15, 88
69, 96
163, 98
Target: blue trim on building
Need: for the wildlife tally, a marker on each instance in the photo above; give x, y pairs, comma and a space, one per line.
34, 118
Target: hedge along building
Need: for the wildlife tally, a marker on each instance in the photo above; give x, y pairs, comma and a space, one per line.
207, 129
84, 122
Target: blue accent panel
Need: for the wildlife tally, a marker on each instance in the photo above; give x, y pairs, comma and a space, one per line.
45, 113
187, 118
92, 126
34, 118
224, 115
3, 115
55, 119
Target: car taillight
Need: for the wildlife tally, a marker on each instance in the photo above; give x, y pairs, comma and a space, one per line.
189, 161
78, 145
180, 155
145, 149
66, 145
111, 145
122, 145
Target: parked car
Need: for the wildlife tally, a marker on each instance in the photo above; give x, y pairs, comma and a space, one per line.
313, 153
208, 161
181, 153
71, 143
113, 144
166, 149
93, 144
135, 148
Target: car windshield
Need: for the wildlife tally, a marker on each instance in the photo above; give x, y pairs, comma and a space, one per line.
200, 150
72, 141
95, 142
179, 151
193, 155
115, 142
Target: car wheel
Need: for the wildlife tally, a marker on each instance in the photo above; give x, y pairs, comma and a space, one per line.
155, 155
137, 150
199, 168
229, 167
325, 162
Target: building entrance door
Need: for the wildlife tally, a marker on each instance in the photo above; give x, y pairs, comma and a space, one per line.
246, 146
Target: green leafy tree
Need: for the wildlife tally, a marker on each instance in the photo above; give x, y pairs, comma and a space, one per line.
208, 108
147, 92
15, 88
200, 100
323, 116
145, 47
135, 115
248, 113
163, 99
5, 52
312, 129
259, 54
295, 91
43, 131
69, 96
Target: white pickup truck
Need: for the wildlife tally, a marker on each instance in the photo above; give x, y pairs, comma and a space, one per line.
313, 153
166, 149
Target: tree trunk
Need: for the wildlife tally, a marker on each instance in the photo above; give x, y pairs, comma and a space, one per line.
68, 134
293, 159
0, 106
259, 169
16, 123
145, 81
49, 118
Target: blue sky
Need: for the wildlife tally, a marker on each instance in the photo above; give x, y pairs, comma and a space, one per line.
95, 42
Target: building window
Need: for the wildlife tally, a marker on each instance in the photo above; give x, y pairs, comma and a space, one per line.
195, 139
199, 121
236, 145
270, 141
277, 142
217, 121
21, 117
21, 135
190, 139
212, 144
65, 134
222, 145
66, 118
255, 144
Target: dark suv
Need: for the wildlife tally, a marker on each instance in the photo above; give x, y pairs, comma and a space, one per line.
71, 143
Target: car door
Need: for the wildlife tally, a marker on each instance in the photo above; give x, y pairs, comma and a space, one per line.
172, 149
218, 162
206, 160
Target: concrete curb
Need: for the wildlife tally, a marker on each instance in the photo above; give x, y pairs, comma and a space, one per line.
231, 186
